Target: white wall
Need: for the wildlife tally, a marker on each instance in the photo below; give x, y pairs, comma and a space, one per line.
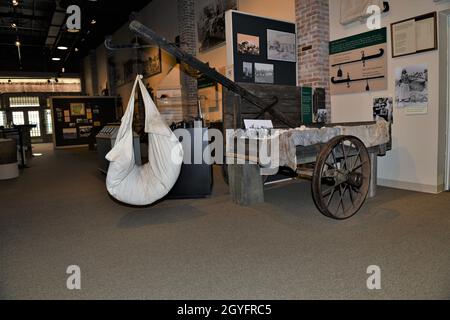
413, 162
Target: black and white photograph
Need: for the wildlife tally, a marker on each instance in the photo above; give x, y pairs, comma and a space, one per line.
264, 73
411, 87
383, 108
210, 19
247, 71
85, 131
153, 62
281, 46
321, 116
248, 44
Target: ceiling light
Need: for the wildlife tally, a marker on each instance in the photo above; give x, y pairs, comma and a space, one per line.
13, 25
93, 21
76, 49
15, 3
62, 48
63, 70
17, 43
56, 59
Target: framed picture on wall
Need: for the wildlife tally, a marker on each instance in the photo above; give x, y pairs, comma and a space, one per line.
264, 73
248, 44
210, 19
415, 35
77, 109
281, 46
247, 71
152, 64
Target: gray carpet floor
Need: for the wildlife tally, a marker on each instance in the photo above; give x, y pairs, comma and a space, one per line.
58, 213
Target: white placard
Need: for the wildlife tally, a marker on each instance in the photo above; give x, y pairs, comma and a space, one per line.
258, 124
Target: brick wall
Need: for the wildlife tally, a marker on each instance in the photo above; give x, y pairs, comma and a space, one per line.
188, 43
312, 18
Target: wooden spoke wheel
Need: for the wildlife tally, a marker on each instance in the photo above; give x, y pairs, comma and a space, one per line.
341, 177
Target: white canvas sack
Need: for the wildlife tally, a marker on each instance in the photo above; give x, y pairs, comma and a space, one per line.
142, 185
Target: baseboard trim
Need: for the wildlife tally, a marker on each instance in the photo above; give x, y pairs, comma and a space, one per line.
411, 186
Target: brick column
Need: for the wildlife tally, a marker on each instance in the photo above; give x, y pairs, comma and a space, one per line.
313, 29
188, 43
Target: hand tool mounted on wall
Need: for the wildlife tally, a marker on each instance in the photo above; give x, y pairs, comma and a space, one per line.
363, 59
348, 80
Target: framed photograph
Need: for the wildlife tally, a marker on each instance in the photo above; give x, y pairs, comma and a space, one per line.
281, 46
383, 108
247, 71
414, 35
321, 116
210, 18
248, 44
152, 62
85, 131
77, 109
411, 89
264, 73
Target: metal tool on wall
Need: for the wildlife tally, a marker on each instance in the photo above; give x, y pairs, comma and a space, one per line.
363, 59
348, 80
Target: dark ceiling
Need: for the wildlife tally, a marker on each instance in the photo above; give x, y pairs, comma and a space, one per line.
40, 27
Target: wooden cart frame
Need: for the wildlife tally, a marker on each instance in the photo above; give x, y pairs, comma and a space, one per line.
343, 171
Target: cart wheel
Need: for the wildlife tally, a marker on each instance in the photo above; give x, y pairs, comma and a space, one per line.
341, 177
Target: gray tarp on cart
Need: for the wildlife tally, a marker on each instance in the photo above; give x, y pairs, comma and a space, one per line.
371, 135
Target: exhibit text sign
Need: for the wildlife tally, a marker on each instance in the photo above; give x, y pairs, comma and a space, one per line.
307, 107
358, 63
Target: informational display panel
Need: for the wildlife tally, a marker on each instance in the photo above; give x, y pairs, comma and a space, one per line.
359, 63
261, 50
76, 120
307, 105
414, 35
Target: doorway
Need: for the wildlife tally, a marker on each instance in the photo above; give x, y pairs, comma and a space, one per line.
24, 110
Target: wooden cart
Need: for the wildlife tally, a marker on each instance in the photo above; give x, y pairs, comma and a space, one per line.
342, 170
